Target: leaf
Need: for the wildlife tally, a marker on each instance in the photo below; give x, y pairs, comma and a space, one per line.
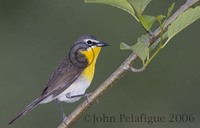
122, 4
124, 46
143, 38
171, 8
183, 20
141, 49
147, 21
159, 18
139, 5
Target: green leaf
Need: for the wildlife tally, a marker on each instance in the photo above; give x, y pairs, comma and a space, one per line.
122, 4
124, 46
183, 20
147, 21
139, 5
143, 38
141, 49
171, 8
159, 18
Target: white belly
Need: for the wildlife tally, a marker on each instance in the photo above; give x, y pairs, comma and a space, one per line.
77, 88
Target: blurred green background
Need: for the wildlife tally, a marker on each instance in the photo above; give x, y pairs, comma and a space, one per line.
35, 35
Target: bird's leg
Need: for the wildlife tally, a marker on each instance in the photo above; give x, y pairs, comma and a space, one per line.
62, 111
68, 95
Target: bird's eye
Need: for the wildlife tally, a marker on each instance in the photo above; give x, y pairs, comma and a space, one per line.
89, 42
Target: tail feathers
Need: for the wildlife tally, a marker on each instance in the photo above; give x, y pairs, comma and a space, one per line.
27, 109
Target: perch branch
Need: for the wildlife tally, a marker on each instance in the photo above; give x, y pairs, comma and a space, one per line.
122, 69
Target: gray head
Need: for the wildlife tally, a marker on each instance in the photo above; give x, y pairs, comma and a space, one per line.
90, 40
84, 43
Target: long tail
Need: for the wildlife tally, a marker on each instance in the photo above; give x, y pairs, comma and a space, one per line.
27, 109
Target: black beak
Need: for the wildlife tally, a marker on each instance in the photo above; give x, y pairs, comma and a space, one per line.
102, 44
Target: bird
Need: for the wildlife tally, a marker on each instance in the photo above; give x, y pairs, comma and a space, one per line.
72, 76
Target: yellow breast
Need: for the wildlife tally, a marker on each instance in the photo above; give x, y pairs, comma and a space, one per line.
91, 54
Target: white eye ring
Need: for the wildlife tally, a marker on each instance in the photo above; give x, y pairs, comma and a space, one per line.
89, 42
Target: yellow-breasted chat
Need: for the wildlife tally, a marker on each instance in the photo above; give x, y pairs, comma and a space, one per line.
72, 76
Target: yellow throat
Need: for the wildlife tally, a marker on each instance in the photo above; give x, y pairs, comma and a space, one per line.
91, 54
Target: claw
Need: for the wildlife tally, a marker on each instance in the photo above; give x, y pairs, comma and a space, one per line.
87, 97
64, 116
64, 119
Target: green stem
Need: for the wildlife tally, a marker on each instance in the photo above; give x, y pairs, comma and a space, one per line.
152, 57
159, 48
